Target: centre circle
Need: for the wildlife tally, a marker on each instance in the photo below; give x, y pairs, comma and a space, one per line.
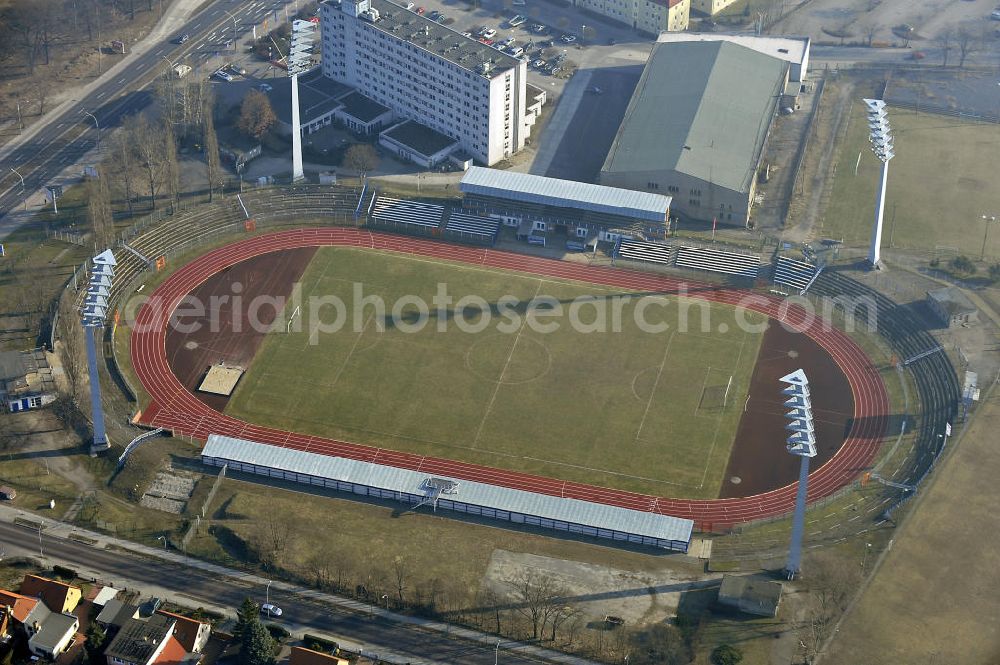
508, 359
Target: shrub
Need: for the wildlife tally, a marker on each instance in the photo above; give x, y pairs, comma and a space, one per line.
726, 654
962, 264
320, 644
64, 572
278, 633
995, 272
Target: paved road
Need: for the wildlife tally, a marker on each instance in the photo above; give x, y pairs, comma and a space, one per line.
69, 137
194, 586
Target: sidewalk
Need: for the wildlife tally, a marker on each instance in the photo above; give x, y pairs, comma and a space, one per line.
59, 530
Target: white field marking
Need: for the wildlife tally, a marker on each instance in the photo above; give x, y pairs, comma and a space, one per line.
656, 382
503, 372
121, 80
100, 94
718, 422
704, 384
347, 359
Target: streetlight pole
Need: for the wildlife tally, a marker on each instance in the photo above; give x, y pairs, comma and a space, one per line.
97, 126
164, 539
267, 592
496, 654
234, 28
881, 140
864, 559
40, 552
19, 176
988, 219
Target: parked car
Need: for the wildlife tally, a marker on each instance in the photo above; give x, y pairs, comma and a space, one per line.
537, 27
223, 76
421, 10
484, 40
516, 21
236, 69
518, 3
270, 610
538, 64
410, 6
434, 15
555, 70
507, 42
568, 38
7, 493
182, 39
995, 15
467, 34
489, 33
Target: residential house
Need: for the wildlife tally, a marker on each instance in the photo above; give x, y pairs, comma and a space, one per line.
140, 642
58, 596
191, 633
115, 614
49, 633
303, 656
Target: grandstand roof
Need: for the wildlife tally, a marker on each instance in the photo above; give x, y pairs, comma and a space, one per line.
701, 108
565, 193
391, 478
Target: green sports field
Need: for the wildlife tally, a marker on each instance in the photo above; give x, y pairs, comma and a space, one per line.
643, 411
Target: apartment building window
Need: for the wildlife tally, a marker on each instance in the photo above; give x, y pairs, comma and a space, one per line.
673, 189
695, 192
694, 202
652, 185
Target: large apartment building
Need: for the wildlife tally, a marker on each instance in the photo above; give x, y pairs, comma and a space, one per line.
648, 16
429, 73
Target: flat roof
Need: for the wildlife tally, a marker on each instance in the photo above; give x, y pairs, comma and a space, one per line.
565, 193
703, 109
952, 300
439, 39
361, 107
790, 49
318, 95
624, 520
421, 138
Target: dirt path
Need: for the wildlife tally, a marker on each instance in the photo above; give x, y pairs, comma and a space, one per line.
830, 124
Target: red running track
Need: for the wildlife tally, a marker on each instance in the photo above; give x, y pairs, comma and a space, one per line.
174, 408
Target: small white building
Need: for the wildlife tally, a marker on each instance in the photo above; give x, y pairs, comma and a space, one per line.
26, 380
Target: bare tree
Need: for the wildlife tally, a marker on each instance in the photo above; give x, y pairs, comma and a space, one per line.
148, 144
967, 43
99, 209
123, 163
871, 29
270, 540
561, 614
401, 573
171, 166
534, 597
945, 41
213, 167
361, 157
830, 584
319, 564
71, 349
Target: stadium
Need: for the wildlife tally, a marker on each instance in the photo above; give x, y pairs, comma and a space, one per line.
650, 438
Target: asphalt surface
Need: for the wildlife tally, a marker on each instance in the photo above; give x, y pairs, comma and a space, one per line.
197, 586
66, 139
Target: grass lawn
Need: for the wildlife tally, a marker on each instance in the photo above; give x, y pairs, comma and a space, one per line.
941, 182
927, 602
36, 486
631, 409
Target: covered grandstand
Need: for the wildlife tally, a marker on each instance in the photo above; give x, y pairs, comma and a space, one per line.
549, 204
420, 488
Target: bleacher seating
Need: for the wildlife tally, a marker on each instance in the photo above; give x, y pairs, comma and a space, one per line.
413, 215
793, 273
472, 227
650, 252
718, 260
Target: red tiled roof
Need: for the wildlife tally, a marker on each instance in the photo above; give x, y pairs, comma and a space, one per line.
303, 656
52, 592
173, 653
667, 3
185, 629
21, 606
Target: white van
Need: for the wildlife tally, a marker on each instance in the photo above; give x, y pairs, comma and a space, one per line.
515, 51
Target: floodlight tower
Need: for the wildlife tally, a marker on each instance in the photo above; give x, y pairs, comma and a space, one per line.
299, 61
802, 442
881, 140
95, 312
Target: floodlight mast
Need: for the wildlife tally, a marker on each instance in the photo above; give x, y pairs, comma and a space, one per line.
881, 140
93, 316
801, 442
298, 60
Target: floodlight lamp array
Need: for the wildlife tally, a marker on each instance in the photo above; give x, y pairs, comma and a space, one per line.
301, 49
95, 303
802, 441
880, 132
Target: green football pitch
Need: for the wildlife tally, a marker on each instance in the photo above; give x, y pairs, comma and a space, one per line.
619, 406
